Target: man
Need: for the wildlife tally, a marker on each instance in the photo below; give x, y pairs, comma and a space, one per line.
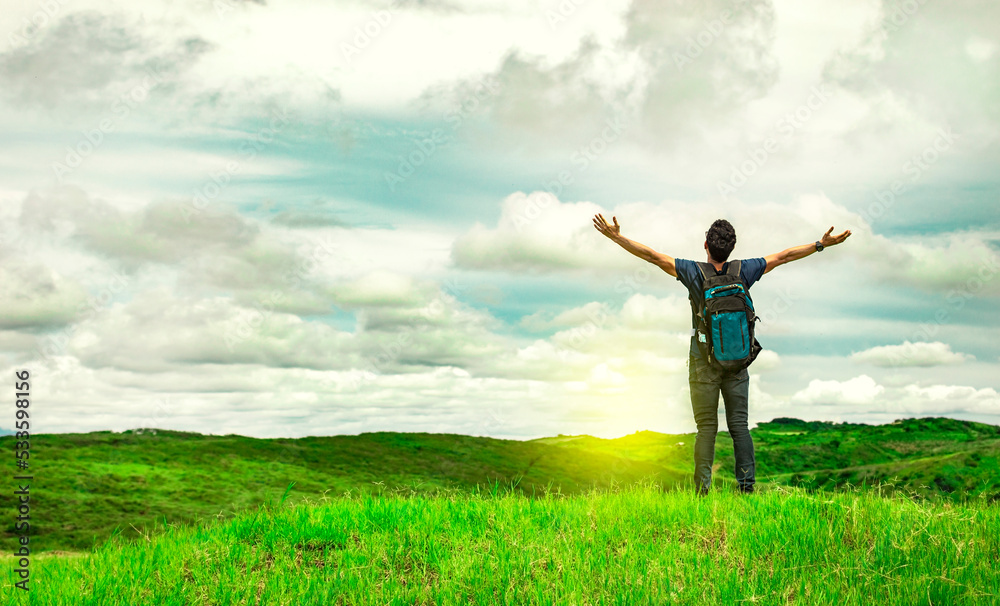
706, 379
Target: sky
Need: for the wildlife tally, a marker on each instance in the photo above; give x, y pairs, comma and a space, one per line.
282, 219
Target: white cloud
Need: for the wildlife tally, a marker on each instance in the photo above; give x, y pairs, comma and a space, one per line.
859, 391
606, 379
864, 399
947, 88
766, 360
962, 263
34, 296
535, 232
640, 312
288, 402
644, 340
380, 288
648, 312
716, 102
35, 72
704, 67
921, 353
177, 331
950, 399
209, 248
180, 331
231, 60
592, 312
980, 49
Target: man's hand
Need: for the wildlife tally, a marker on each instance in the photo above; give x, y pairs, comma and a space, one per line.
827, 240
611, 231
800, 252
614, 232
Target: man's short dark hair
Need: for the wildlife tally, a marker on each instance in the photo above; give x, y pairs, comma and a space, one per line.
721, 239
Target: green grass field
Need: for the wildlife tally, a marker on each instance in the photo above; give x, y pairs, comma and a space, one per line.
90, 485
166, 517
636, 545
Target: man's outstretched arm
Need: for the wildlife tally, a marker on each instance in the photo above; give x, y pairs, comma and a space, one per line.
799, 252
664, 262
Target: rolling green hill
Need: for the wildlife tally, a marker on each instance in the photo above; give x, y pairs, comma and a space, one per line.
87, 485
932, 457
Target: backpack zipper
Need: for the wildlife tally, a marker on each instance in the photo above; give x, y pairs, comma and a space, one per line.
722, 342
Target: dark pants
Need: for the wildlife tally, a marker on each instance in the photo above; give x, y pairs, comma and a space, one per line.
706, 382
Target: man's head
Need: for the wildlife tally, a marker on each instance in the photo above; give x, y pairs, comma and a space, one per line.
720, 239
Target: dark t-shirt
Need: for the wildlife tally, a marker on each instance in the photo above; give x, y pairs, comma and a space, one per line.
688, 274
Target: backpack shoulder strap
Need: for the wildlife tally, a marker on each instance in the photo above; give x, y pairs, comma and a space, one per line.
734, 268
702, 268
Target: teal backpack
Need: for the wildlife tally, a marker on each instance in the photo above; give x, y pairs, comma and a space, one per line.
725, 319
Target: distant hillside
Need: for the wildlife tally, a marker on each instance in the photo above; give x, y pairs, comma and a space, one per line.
88, 484
932, 457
